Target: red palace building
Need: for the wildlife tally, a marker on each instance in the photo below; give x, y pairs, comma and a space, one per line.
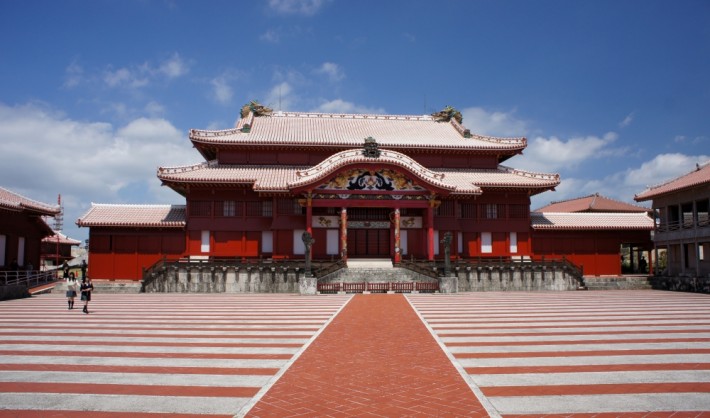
364, 186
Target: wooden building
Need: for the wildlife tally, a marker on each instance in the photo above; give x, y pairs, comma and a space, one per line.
681, 208
602, 235
56, 249
22, 229
364, 186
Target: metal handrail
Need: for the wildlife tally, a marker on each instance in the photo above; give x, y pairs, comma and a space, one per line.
29, 278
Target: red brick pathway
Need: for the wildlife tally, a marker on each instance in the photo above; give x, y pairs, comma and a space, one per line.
375, 359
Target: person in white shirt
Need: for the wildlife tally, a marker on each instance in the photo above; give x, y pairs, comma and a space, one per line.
71, 290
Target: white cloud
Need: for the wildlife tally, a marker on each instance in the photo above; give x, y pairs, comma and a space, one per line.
271, 36
43, 153
74, 75
142, 75
332, 71
174, 66
154, 109
299, 7
125, 77
552, 154
624, 185
341, 106
281, 97
660, 169
627, 120
484, 122
221, 90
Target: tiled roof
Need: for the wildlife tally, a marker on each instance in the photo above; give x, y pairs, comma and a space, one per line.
16, 202
145, 216
350, 130
701, 175
282, 178
592, 203
61, 238
262, 177
590, 220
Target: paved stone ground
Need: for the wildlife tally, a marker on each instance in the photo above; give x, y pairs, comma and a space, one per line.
562, 354
171, 354
376, 359
580, 354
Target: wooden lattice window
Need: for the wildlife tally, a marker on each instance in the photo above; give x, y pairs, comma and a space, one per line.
446, 208
518, 211
468, 210
201, 208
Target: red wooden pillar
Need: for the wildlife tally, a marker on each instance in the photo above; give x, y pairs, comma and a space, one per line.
309, 213
397, 247
344, 234
430, 231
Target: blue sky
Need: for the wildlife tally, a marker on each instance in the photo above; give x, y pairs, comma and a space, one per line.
96, 94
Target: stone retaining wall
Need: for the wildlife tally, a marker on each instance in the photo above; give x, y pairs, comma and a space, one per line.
514, 278
226, 279
681, 284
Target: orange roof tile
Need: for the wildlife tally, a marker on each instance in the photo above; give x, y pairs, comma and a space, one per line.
699, 176
16, 202
590, 221
591, 203
349, 130
146, 216
61, 239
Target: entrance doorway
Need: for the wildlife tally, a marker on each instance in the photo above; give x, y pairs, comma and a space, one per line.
369, 232
374, 243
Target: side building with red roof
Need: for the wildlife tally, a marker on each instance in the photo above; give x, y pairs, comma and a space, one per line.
604, 236
22, 229
681, 207
56, 249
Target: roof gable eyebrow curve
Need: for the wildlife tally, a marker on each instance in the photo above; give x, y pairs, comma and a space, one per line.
337, 161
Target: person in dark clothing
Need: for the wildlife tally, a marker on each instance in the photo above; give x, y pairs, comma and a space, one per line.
65, 268
86, 289
83, 269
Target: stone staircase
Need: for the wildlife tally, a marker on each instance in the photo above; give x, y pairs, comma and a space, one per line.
373, 270
627, 282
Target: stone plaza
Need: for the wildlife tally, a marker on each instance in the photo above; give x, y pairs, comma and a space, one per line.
509, 354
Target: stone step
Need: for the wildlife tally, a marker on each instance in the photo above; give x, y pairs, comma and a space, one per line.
614, 282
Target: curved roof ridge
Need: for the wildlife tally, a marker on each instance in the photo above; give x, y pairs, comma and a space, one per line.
138, 205
342, 158
531, 174
381, 116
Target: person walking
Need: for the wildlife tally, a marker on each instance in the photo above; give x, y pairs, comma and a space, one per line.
86, 288
83, 269
65, 269
71, 290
